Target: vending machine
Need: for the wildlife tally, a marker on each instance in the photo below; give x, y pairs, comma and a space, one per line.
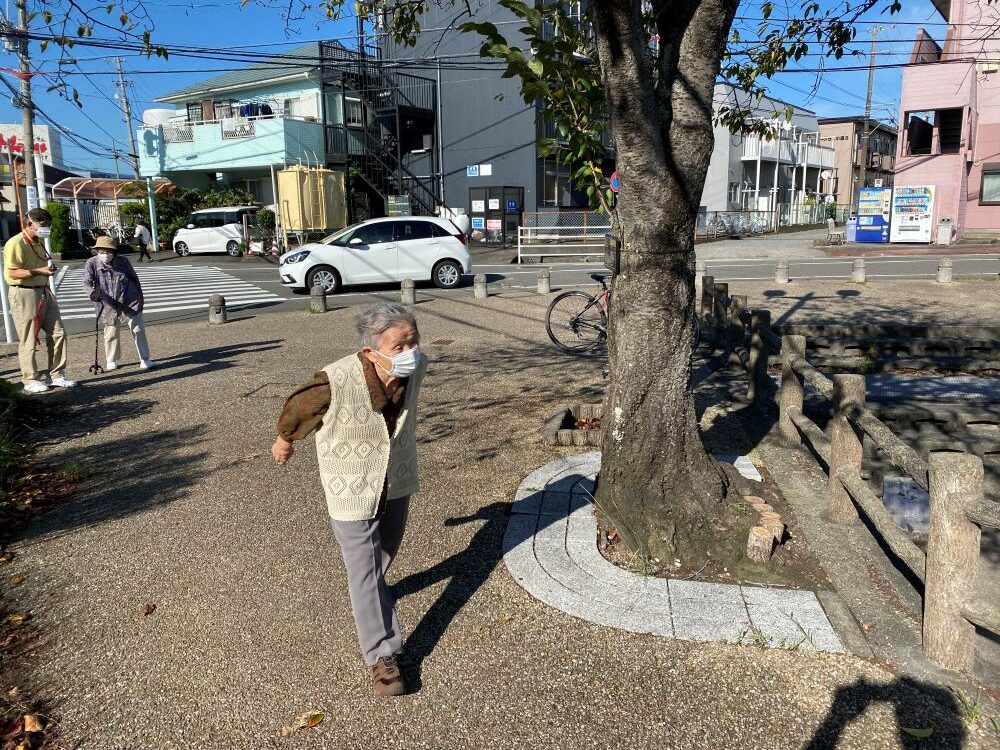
874, 210
912, 213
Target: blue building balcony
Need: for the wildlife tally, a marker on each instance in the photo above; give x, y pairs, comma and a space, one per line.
233, 143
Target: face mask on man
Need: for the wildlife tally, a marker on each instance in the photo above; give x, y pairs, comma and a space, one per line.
105, 257
404, 364
43, 232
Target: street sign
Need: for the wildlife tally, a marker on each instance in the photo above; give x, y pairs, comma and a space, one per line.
512, 207
32, 195
472, 170
478, 222
398, 205
615, 184
878, 183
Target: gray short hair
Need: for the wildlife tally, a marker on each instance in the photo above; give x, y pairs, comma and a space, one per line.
379, 318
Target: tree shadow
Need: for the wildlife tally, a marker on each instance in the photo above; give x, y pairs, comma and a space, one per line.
124, 476
919, 706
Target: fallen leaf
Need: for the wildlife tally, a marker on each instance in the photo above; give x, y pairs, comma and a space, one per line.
920, 734
147, 609
309, 720
33, 723
6, 557
16, 618
14, 692
16, 580
13, 729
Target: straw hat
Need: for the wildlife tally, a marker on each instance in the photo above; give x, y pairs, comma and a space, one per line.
106, 243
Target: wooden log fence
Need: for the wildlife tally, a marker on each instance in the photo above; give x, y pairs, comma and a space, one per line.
954, 481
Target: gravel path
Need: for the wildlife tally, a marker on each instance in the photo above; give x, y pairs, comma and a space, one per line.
185, 509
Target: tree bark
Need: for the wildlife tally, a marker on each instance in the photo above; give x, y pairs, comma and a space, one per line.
658, 484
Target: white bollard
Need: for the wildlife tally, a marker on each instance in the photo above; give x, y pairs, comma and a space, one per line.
544, 285
781, 272
944, 272
859, 274
480, 288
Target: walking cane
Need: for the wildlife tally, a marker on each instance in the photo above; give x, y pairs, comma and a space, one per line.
96, 367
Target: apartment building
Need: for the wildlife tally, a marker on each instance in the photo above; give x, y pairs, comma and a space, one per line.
845, 135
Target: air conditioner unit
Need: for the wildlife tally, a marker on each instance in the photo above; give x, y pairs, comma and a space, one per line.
988, 66
876, 160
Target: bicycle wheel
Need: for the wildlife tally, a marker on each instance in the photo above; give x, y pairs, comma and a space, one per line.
576, 323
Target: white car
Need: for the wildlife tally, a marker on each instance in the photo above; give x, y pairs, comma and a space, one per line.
213, 230
381, 250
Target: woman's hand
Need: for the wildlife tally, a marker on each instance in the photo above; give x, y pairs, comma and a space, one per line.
282, 450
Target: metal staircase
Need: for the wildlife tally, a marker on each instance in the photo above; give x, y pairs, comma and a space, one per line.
397, 108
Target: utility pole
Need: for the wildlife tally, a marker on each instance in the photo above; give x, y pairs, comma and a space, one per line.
28, 122
127, 112
866, 133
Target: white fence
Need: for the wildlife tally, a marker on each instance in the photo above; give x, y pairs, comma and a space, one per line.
553, 234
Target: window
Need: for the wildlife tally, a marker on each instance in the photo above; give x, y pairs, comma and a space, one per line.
440, 231
950, 130
919, 132
413, 230
354, 113
989, 192
734, 192
194, 112
373, 234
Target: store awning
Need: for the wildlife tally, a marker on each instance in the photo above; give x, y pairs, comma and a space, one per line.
100, 188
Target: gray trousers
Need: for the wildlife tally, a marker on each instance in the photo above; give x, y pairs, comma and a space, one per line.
368, 548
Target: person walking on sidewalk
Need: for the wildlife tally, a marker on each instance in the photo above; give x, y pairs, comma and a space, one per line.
145, 240
364, 410
114, 287
28, 267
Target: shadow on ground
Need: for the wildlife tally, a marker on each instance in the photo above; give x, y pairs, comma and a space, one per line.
926, 715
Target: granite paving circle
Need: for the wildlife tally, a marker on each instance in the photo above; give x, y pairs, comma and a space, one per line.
550, 548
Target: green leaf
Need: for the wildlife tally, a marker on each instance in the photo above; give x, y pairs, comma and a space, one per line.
537, 67
920, 734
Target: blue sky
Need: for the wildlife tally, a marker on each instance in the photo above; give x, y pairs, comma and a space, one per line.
224, 26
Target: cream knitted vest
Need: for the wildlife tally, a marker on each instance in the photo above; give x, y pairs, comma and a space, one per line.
356, 453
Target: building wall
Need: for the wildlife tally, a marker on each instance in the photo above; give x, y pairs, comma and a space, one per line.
53, 154
938, 85
483, 119
274, 94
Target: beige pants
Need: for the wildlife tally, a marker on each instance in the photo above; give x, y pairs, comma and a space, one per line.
138, 329
35, 309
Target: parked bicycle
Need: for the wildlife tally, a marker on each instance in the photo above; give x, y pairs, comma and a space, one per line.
577, 322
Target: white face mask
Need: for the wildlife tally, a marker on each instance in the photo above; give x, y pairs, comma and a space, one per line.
105, 257
404, 364
43, 232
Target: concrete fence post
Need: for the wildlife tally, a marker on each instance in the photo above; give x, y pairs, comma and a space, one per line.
792, 392
845, 445
719, 312
480, 288
407, 294
317, 299
217, 310
759, 320
707, 298
945, 271
956, 481
859, 274
544, 281
699, 268
737, 329
781, 272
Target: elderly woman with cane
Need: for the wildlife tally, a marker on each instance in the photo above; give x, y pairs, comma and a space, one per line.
364, 410
114, 287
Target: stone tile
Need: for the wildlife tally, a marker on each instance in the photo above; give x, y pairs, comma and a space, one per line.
728, 630
528, 502
551, 531
520, 533
578, 501
540, 477
585, 487
743, 465
760, 596
564, 482
705, 592
556, 503
699, 609
785, 629
644, 621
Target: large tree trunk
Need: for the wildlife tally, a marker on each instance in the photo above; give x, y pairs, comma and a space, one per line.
658, 484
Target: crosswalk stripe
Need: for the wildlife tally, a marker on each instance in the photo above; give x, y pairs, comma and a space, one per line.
168, 290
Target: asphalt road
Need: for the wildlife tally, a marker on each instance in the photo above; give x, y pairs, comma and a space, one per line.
178, 288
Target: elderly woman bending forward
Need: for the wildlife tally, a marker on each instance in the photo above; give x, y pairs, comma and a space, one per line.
364, 410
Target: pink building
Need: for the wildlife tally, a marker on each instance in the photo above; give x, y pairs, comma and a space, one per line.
950, 116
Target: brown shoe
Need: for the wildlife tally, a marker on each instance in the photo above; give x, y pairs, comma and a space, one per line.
387, 678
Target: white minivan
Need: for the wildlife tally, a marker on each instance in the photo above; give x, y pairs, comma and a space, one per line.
213, 230
421, 248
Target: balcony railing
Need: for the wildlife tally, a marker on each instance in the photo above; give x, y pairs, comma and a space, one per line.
788, 152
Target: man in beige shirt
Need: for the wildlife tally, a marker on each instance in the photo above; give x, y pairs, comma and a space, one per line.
27, 268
